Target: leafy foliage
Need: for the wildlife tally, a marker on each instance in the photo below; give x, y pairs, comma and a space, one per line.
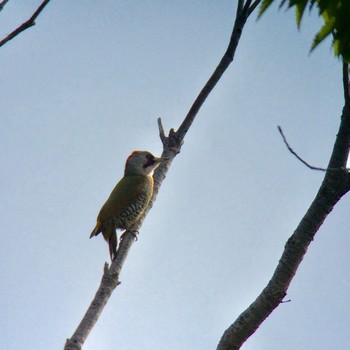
336, 17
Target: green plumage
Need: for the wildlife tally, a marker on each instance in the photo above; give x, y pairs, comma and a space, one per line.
124, 207
129, 198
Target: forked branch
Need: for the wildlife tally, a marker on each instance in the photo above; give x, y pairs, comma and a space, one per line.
242, 14
27, 24
171, 147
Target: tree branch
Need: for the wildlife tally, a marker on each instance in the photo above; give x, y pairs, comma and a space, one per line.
239, 7
334, 186
110, 280
253, 6
302, 160
161, 131
346, 84
29, 23
243, 12
171, 147
340, 153
2, 4
295, 154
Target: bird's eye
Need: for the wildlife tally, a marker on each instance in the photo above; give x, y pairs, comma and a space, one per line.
150, 160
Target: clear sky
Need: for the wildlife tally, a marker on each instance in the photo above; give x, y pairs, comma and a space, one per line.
81, 90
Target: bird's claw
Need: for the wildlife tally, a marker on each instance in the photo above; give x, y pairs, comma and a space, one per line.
133, 232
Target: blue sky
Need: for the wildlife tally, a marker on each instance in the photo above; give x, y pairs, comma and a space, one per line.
81, 90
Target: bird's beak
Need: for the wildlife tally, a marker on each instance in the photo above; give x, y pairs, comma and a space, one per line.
160, 159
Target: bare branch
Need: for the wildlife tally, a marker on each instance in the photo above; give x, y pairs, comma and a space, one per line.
247, 5
253, 6
161, 131
302, 160
334, 186
239, 7
109, 281
295, 154
226, 60
29, 23
171, 147
2, 4
346, 84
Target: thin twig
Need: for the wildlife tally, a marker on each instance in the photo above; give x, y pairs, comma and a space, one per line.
302, 160
29, 23
226, 60
161, 131
295, 154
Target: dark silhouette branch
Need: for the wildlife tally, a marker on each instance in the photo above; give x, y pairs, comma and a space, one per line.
295, 154
239, 7
340, 154
253, 6
301, 159
29, 23
346, 84
335, 184
2, 4
171, 147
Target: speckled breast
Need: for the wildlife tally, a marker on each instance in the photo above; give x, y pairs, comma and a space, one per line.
132, 213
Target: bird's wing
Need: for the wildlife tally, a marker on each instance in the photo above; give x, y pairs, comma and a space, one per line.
125, 193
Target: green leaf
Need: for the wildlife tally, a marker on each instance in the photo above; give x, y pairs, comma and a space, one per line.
336, 17
336, 46
323, 33
263, 7
299, 11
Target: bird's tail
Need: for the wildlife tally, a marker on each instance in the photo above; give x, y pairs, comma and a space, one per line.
96, 230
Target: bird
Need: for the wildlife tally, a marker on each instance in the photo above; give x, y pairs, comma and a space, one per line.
129, 198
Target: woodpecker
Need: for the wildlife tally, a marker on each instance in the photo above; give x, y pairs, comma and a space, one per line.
128, 199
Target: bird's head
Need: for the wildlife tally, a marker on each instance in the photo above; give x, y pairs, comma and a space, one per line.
141, 163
